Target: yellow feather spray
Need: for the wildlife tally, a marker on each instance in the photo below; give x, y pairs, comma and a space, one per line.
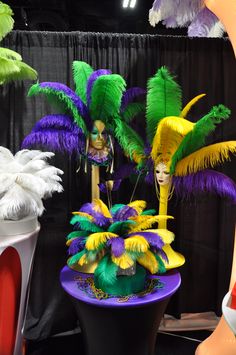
124, 261
136, 243
189, 105
83, 260
96, 239
170, 133
205, 157
148, 223
149, 261
138, 205
100, 206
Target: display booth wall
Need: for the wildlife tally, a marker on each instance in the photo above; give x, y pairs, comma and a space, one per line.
204, 228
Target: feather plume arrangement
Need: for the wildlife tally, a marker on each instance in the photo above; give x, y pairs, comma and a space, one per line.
193, 14
99, 95
115, 238
11, 65
25, 179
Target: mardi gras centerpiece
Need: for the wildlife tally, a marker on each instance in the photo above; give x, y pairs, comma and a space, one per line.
176, 156
88, 116
117, 244
11, 65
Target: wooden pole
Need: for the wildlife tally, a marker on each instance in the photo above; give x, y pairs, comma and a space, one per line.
95, 192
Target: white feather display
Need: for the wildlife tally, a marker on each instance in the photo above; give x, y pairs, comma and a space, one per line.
26, 179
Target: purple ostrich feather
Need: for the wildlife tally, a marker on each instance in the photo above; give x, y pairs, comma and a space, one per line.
129, 95
156, 5
99, 218
76, 100
103, 188
91, 81
205, 181
124, 213
117, 246
202, 24
153, 239
76, 246
57, 133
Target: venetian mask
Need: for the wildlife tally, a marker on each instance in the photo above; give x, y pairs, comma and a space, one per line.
162, 174
98, 136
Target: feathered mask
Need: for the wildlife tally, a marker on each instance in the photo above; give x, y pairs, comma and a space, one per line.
181, 144
89, 115
11, 65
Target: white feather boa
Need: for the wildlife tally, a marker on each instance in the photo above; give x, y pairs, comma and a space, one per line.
26, 179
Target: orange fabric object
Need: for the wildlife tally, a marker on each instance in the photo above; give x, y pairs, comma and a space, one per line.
233, 295
225, 10
10, 292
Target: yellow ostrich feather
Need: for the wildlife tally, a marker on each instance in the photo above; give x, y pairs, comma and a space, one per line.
148, 223
137, 158
83, 260
136, 243
148, 261
124, 261
138, 205
96, 239
100, 206
189, 105
169, 134
205, 157
84, 214
140, 219
166, 235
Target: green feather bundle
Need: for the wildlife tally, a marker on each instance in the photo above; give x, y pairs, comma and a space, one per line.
132, 110
197, 137
106, 97
106, 271
129, 140
6, 20
121, 227
163, 99
81, 73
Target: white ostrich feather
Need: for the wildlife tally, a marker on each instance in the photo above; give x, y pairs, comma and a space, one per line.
26, 179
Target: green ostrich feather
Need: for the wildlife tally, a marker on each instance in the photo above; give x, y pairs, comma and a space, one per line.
150, 212
75, 258
15, 70
121, 227
85, 224
161, 265
129, 140
196, 139
6, 20
58, 97
76, 234
81, 73
9, 54
163, 99
132, 110
106, 98
116, 208
106, 271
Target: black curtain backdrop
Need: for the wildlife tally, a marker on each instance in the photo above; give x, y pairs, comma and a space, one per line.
204, 228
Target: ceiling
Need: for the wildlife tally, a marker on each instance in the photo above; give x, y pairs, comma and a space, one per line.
85, 15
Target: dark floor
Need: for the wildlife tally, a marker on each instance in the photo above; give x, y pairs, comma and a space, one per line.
175, 343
